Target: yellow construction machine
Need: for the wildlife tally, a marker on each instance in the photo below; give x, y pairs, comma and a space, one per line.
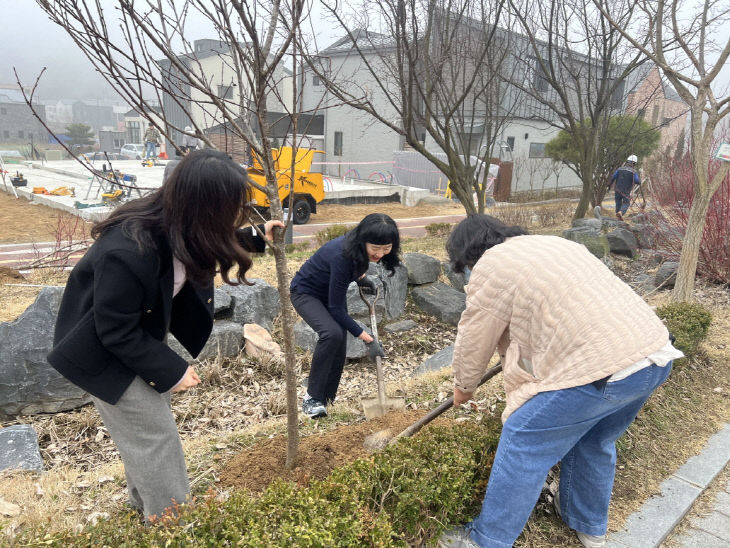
308, 187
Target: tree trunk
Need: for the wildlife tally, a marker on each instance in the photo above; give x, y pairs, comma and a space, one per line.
685, 284
287, 317
585, 198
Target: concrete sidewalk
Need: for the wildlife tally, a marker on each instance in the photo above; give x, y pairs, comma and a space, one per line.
660, 514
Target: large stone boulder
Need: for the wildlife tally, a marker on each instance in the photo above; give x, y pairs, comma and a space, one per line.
666, 275
357, 309
644, 235
594, 224
440, 300
306, 338
225, 340
222, 302
457, 279
622, 242
28, 384
422, 269
396, 290
258, 303
435, 362
19, 448
595, 241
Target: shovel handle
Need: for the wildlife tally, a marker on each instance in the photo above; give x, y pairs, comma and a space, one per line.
374, 328
420, 423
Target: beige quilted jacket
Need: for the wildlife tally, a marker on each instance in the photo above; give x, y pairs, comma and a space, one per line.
558, 316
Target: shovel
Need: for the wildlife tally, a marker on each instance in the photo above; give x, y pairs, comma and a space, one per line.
380, 439
377, 407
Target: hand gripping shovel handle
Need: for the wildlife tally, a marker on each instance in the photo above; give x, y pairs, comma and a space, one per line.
416, 426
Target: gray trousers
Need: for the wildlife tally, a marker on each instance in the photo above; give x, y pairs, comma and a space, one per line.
142, 426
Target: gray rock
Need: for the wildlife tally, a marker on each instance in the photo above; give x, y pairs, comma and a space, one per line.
422, 269
435, 362
258, 303
222, 302
644, 235
666, 275
28, 384
594, 240
19, 448
399, 327
440, 300
593, 224
225, 340
640, 278
306, 338
457, 279
640, 218
357, 309
609, 224
608, 261
396, 290
622, 242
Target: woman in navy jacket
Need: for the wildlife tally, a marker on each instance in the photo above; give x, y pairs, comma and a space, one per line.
318, 294
150, 272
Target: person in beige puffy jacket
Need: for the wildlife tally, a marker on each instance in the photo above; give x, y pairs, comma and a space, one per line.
581, 353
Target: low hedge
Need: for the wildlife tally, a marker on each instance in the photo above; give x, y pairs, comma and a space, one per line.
402, 496
688, 322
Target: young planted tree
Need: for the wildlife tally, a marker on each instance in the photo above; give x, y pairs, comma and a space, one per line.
624, 135
433, 73
575, 69
80, 134
687, 44
231, 83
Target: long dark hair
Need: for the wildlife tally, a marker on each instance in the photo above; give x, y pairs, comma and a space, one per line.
197, 209
377, 229
474, 235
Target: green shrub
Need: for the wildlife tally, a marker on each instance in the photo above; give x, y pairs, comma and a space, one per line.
438, 230
688, 322
330, 233
401, 497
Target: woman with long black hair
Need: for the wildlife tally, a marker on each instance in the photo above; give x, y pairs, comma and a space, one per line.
150, 272
318, 293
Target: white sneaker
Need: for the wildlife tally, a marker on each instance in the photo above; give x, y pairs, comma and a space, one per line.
456, 538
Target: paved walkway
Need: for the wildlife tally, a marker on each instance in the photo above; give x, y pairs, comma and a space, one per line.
657, 518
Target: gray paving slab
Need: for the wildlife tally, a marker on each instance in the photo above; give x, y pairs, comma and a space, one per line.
658, 516
700, 539
703, 468
714, 523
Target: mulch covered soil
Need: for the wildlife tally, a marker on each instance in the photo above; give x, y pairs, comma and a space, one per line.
253, 469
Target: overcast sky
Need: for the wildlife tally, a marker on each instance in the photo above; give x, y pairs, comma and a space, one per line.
29, 41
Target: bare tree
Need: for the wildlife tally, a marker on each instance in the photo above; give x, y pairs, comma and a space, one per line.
686, 44
429, 71
575, 68
232, 82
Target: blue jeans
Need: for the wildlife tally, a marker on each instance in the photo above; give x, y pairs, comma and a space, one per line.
578, 426
623, 200
149, 150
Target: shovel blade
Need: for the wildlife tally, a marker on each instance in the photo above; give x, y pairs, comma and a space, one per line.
373, 407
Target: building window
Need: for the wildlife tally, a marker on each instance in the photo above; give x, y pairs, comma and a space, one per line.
133, 132
21, 134
537, 79
338, 143
666, 122
642, 113
118, 142
511, 143
316, 81
537, 150
6, 134
655, 115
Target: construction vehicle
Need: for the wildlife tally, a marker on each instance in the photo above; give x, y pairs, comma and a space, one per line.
308, 188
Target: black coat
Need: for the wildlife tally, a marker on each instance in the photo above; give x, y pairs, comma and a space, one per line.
116, 311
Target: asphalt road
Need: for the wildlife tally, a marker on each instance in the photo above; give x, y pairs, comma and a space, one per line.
18, 256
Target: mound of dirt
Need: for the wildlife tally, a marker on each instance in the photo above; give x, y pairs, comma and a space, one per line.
9, 275
254, 468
